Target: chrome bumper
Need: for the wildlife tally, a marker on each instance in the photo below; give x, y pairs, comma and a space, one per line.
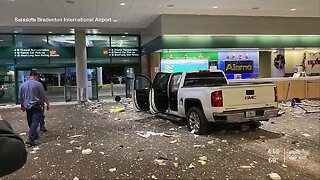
239, 116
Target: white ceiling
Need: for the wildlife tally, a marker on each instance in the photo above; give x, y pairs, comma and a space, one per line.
139, 13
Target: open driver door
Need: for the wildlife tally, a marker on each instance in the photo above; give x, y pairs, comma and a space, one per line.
141, 90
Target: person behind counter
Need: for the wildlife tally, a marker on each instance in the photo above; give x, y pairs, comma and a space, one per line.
13, 153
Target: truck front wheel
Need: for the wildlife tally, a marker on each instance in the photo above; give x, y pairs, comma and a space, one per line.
197, 122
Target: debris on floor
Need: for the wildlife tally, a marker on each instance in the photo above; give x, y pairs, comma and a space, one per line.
117, 110
199, 146
305, 135
202, 160
176, 165
245, 167
86, 151
174, 141
160, 162
191, 166
112, 169
274, 176
147, 134
68, 151
77, 135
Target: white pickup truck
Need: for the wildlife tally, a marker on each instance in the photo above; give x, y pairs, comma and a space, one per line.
203, 96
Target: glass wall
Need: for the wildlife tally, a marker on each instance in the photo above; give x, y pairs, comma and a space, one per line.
61, 40
111, 54
6, 40
34, 41
98, 41
124, 41
7, 79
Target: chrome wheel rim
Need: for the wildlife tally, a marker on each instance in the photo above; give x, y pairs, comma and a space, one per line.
194, 121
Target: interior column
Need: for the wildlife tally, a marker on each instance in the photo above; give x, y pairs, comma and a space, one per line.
100, 80
59, 79
81, 66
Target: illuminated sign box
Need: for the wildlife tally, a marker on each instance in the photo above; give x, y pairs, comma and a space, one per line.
238, 67
182, 65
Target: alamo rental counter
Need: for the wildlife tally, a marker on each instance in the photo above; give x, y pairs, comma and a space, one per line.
255, 48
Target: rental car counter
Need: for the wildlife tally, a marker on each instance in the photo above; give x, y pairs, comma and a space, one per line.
288, 88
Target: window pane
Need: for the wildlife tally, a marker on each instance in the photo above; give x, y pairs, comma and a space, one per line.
31, 41
32, 61
62, 61
5, 40
97, 41
62, 40
6, 61
124, 41
125, 60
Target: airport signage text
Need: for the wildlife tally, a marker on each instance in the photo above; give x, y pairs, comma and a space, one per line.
238, 67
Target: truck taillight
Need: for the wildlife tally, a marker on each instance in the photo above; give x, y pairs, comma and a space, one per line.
275, 94
216, 99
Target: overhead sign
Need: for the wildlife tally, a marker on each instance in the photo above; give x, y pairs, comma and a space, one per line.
124, 52
31, 53
100, 52
238, 67
39, 53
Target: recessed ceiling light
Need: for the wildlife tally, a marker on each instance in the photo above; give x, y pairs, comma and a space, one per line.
115, 20
12, 0
126, 33
170, 5
69, 1
293, 9
49, 32
215, 7
1, 40
15, 31
122, 4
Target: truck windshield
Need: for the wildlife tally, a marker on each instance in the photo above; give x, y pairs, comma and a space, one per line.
204, 79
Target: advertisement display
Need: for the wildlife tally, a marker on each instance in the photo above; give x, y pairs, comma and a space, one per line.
239, 64
181, 65
312, 62
211, 56
187, 61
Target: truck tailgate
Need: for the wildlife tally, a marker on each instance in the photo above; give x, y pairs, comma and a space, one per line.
238, 96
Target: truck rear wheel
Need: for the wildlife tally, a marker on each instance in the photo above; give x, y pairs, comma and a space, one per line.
197, 122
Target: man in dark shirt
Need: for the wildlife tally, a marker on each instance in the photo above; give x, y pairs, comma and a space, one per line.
13, 154
32, 97
1, 89
42, 123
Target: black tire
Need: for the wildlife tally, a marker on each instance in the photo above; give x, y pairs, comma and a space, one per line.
197, 121
254, 125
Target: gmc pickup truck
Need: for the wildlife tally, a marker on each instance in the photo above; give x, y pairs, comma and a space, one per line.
202, 97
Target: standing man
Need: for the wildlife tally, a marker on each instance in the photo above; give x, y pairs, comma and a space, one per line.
42, 123
32, 96
13, 153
